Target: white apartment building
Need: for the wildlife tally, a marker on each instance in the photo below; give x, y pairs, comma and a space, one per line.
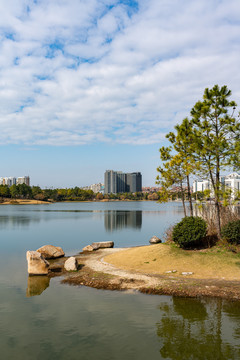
9, 181
96, 188
23, 180
201, 185
231, 181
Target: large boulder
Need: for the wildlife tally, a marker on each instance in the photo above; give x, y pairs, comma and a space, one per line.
37, 265
51, 252
155, 240
102, 245
71, 264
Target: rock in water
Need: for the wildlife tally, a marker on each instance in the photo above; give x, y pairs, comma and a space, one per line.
155, 240
37, 265
51, 252
102, 245
88, 248
71, 264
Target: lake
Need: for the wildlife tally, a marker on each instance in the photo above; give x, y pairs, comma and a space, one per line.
67, 322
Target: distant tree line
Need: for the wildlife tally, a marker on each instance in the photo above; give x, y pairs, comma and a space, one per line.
23, 191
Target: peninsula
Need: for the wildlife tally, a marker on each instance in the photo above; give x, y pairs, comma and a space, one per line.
158, 269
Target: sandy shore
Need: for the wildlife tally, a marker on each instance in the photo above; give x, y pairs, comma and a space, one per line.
96, 272
23, 202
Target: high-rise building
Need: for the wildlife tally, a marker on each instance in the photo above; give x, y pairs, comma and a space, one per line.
134, 182
119, 182
9, 181
23, 180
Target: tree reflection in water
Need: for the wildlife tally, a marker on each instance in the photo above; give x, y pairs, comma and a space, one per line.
199, 330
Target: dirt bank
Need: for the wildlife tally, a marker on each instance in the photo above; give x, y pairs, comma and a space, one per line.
96, 272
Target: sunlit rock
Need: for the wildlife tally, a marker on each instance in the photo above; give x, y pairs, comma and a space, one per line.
155, 240
71, 264
37, 265
88, 248
36, 285
51, 252
102, 245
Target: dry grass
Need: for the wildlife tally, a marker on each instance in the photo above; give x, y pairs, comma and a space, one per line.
208, 213
214, 263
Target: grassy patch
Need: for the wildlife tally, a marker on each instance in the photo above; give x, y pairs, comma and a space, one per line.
214, 263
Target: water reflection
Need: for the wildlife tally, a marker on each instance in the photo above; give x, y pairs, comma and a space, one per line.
13, 221
116, 219
199, 329
36, 285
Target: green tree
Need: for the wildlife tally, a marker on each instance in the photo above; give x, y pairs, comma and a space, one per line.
24, 191
172, 172
36, 190
182, 144
216, 137
4, 191
13, 191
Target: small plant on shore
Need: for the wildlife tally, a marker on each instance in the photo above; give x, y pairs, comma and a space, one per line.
189, 232
231, 232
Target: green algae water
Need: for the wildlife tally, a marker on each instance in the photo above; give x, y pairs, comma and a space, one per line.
45, 319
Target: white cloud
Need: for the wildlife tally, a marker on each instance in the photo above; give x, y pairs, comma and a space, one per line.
77, 72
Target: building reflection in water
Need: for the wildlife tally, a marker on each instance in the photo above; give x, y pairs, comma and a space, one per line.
116, 220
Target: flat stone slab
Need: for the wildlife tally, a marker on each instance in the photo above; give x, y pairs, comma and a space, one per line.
102, 245
51, 252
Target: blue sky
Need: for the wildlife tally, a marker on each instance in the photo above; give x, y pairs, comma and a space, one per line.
90, 85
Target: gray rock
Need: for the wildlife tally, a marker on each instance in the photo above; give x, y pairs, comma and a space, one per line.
37, 265
102, 245
51, 252
155, 240
71, 264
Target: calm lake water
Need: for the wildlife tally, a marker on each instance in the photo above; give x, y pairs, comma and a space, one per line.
67, 322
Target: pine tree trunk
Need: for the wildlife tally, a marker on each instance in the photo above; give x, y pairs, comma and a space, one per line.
189, 196
183, 201
215, 185
217, 203
218, 217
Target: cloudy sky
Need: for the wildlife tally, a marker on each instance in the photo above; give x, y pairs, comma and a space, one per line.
90, 85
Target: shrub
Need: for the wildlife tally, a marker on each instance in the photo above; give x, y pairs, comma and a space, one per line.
231, 232
189, 232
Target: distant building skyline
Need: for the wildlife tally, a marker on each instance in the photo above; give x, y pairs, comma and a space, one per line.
119, 182
96, 188
12, 180
230, 181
